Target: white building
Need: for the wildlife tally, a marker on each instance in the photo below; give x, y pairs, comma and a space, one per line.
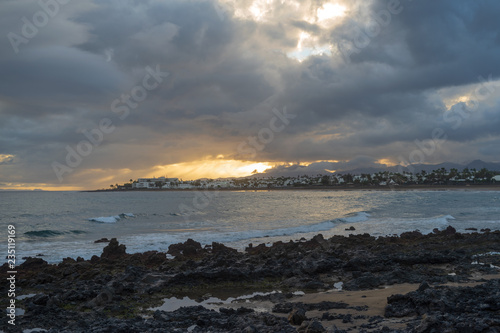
153, 182
144, 185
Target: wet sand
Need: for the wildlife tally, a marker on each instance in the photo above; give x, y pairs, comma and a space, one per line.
374, 301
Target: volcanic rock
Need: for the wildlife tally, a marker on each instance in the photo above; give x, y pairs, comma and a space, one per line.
113, 250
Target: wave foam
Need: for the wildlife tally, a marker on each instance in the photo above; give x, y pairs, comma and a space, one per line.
396, 226
240, 239
105, 219
111, 219
234, 237
355, 217
304, 229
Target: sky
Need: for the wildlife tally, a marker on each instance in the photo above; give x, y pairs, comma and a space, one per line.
94, 93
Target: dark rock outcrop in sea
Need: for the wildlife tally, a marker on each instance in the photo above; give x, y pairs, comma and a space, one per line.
114, 291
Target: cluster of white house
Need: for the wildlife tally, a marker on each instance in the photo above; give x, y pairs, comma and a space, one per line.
175, 183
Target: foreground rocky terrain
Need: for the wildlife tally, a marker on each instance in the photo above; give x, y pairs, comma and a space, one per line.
120, 292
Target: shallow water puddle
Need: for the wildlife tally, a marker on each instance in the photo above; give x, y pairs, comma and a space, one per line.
211, 303
338, 286
18, 312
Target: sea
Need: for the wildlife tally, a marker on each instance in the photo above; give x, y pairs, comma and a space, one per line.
56, 225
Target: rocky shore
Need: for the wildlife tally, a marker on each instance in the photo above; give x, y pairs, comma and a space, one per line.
441, 282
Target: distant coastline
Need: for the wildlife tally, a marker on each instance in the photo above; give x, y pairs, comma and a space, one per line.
427, 187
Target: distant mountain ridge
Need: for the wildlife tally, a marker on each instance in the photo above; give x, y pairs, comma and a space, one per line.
322, 168
476, 164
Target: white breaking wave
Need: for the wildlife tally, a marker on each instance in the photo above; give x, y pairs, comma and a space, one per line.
240, 239
105, 219
396, 226
355, 217
111, 219
236, 218
304, 229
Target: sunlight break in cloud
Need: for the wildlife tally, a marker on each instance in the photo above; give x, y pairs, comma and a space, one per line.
329, 11
213, 168
325, 16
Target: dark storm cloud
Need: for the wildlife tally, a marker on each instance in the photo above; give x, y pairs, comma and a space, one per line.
437, 45
58, 75
228, 70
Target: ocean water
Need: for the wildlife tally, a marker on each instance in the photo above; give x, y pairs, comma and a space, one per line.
66, 224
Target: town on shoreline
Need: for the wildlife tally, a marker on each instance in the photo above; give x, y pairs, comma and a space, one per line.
385, 180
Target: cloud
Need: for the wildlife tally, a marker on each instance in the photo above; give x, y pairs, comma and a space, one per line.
324, 167
6, 159
230, 64
58, 76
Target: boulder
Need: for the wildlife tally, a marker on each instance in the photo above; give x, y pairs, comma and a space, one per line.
102, 240
314, 326
33, 263
411, 235
259, 249
188, 248
221, 248
297, 316
104, 297
113, 250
